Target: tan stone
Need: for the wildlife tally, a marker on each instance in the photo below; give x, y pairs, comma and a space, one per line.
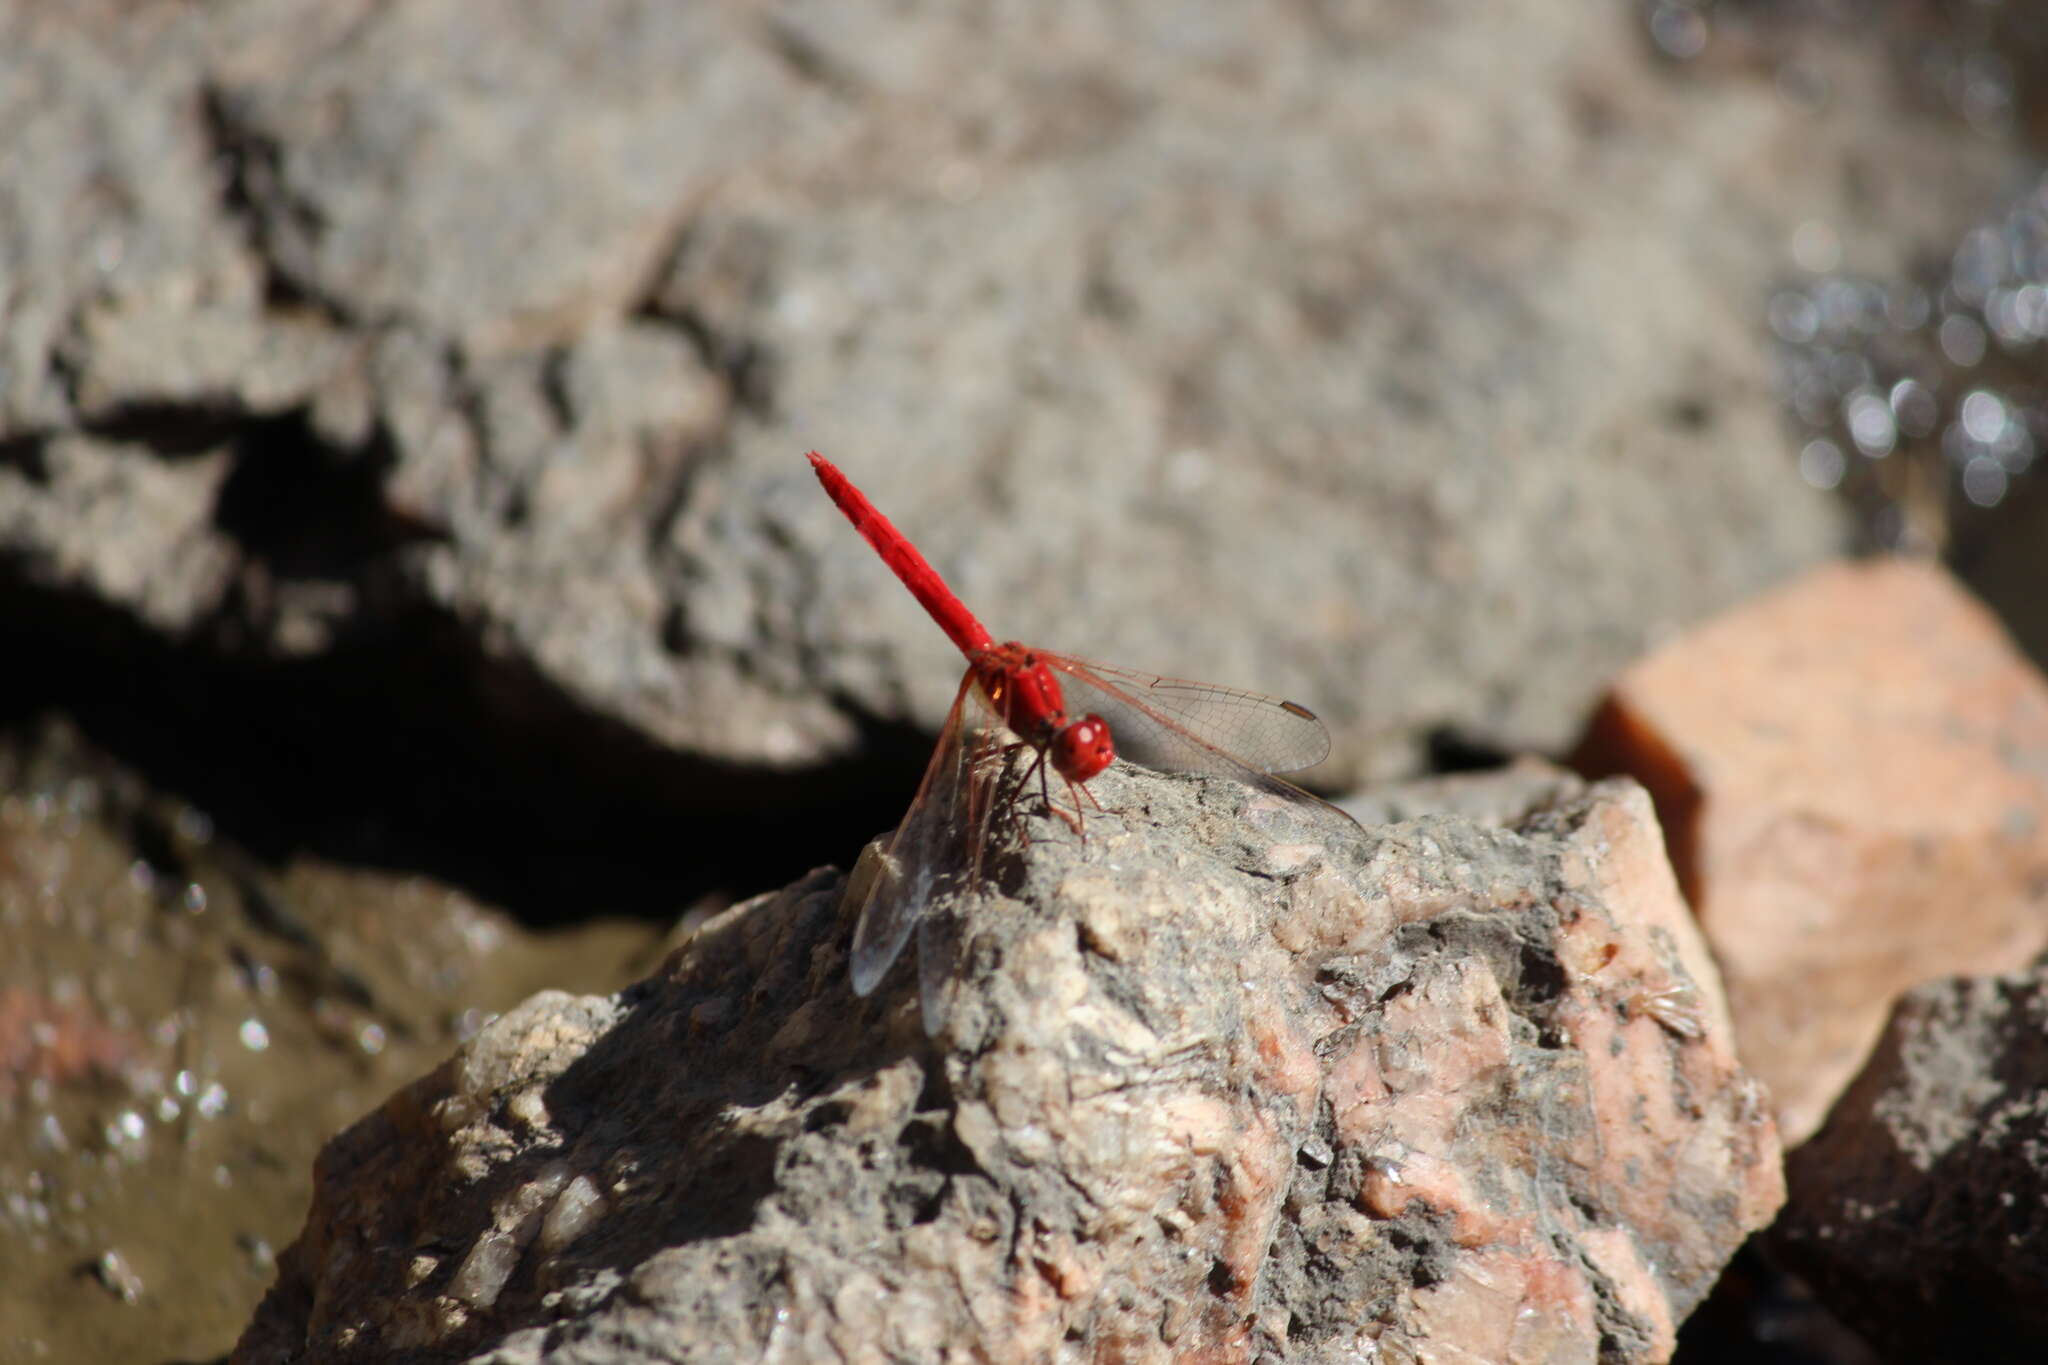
1853, 776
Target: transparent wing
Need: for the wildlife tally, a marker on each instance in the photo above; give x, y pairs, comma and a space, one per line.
1193, 727
937, 940
1189, 727
934, 852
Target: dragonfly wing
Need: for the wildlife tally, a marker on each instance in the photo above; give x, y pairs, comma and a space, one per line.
891, 912
922, 858
1188, 727
937, 937
939, 926
1180, 726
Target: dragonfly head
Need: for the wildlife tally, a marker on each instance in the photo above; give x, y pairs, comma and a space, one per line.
1083, 748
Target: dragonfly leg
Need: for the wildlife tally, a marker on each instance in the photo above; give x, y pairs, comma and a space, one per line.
1075, 791
1011, 784
1073, 819
1039, 767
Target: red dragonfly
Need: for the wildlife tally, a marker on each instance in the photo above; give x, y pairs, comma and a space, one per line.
1161, 722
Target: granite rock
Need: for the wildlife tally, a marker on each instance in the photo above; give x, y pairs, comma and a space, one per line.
1853, 772
1212, 1085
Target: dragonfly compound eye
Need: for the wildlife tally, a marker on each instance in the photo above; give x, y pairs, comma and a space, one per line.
1083, 749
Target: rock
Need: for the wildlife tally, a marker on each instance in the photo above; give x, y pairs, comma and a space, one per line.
1226, 348
111, 198
1209, 1087
1854, 775
108, 521
155, 355
1917, 1212
1505, 796
515, 207
560, 309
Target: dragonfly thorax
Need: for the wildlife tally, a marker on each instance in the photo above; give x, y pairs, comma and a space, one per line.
1023, 690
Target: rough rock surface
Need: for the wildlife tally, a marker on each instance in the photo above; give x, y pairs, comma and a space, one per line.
1854, 774
327, 317
1209, 1089
1920, 1211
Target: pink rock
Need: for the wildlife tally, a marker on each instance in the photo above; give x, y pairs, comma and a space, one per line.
1853, 773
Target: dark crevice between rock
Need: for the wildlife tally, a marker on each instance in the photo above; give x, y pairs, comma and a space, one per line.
1541, 981
832, 1113
66, 375
409, 746
171, 430
1618, 743
27, 452
2005, 564
1758, 1311
305, 510
403, 742
935, 1096
1452, 750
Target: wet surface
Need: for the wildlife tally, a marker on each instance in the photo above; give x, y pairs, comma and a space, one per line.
182, 1027
1921, 398
1924, 402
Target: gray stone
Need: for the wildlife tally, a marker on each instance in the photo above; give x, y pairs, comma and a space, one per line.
503, 182
1227, 1080
1214, 342
115, 522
